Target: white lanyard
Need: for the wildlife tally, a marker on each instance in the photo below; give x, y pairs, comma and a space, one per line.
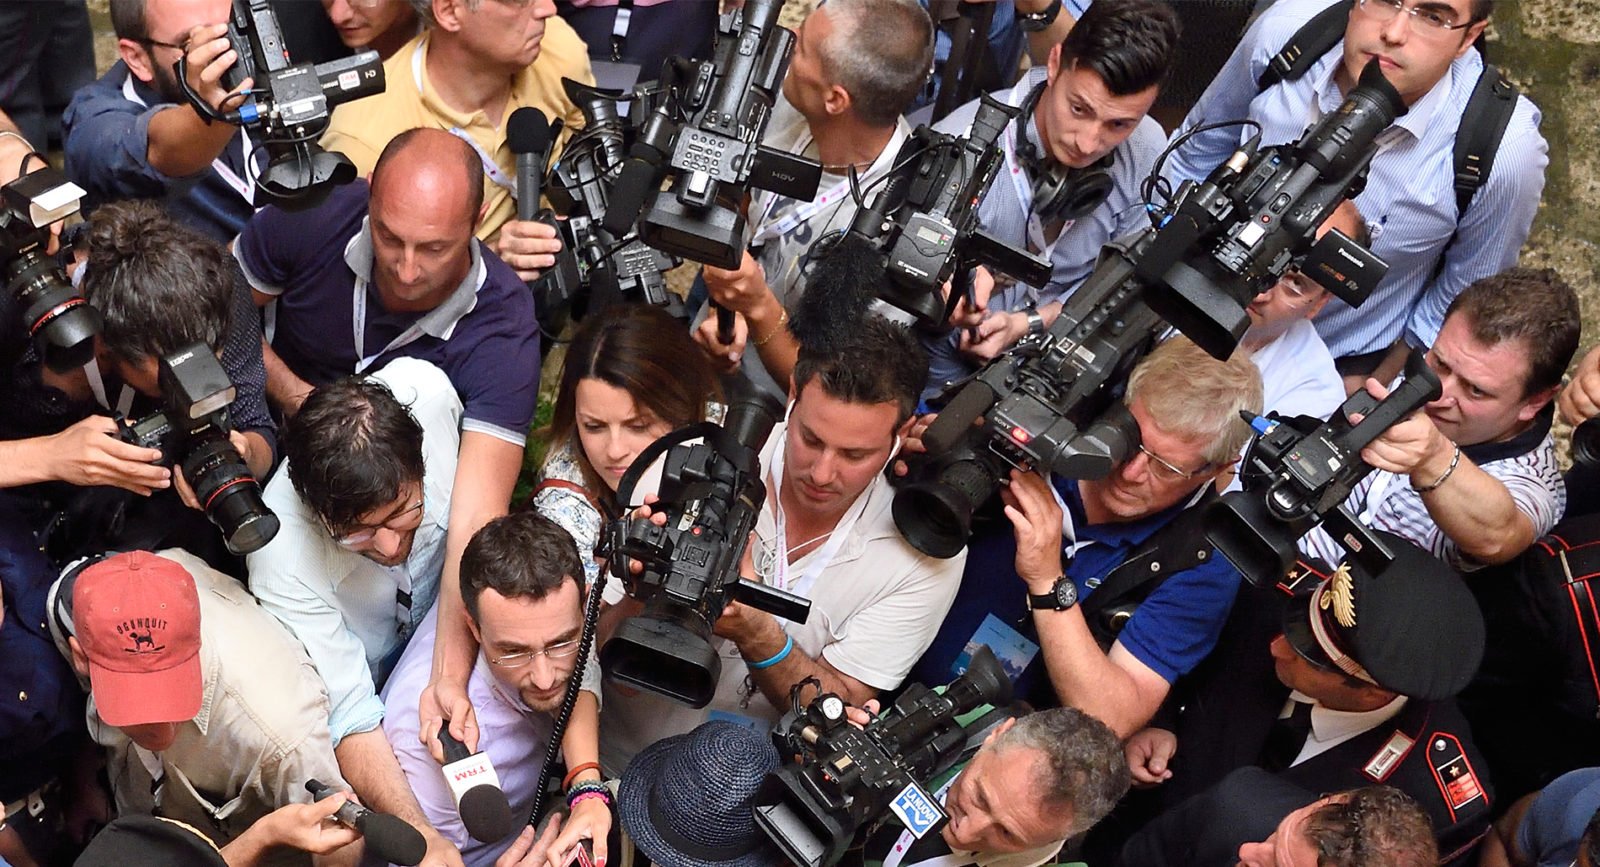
820, 560
1025, 195
243, 186
97, 384
898, 852
801, 213
1374, 498
490, 168
358, 325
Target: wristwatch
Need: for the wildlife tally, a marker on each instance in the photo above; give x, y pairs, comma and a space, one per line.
1035, 319
1062, 596
1033, 22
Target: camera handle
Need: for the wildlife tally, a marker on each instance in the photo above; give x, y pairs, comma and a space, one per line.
1420, 386
207, 112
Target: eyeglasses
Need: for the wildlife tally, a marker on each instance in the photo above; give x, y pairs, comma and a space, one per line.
1298, 290
1429, 18
397, 523
1164, 471
170, 45
560, 650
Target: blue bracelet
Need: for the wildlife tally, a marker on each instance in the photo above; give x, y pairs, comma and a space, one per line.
788, 645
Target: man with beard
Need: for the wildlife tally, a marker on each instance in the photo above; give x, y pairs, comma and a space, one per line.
522, 585
133, 135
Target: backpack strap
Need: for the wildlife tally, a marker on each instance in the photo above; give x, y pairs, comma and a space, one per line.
1180, 545
1307, 45
1483, 125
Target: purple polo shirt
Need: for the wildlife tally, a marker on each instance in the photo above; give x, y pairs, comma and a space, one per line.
317, 264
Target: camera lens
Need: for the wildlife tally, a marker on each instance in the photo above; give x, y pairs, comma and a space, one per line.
1586, 443
230, 496
935, 515
60, 321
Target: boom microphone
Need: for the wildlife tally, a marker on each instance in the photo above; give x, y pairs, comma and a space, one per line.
485, 812
388, 837
528, 136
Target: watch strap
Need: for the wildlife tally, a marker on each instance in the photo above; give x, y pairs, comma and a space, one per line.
1033, 22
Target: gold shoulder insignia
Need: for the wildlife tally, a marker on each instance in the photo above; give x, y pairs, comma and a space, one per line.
1340, 595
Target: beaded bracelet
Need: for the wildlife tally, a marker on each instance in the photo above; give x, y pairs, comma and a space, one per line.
584, 796
588, 788
788, 645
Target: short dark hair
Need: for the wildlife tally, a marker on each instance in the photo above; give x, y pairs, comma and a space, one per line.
869, 361
160, 285
1084, 764
523, 554
1482, 9
351, 448
1533, 306
1130, 44
1372, 825
470, 164
128, 20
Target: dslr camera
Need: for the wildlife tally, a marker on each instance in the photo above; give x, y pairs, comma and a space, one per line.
848, 778
1299, 471
192, 433
60, 322
712, 493
288, 106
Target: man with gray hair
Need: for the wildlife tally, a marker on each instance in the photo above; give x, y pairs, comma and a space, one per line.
856, 65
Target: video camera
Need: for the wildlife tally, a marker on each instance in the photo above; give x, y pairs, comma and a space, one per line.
288, 106
60, 322
925, 219
707, 131
712, 493
192, 433
1298, 473
848, 778
1053, 400
597, 268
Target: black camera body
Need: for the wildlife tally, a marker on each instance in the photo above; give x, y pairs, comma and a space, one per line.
191, 432
925, 219
61, 324
1298, 473
712, 493
1053, 400
848, 777
288, 106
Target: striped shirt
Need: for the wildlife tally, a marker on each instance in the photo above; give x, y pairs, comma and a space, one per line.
1409, 201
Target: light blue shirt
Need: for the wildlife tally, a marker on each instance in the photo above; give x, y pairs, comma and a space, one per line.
344, 608
1409, 202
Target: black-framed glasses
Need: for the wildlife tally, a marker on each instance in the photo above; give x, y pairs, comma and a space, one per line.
1430, 17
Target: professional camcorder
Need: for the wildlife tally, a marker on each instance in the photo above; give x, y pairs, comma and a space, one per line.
597, 268
61, 324
925, 219
192, 433
1053, 401
287, 108
1298, 473
712, 493
706, 135
848, 777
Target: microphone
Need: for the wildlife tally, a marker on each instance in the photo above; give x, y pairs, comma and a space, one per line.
529, 136
485, 812
388, 837
636, 182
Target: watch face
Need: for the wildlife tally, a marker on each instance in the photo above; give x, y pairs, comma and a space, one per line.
1066, 593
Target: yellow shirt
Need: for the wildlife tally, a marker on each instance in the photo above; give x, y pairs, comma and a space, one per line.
361, 129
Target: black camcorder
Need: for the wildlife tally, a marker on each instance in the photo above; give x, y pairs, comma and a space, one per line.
192, 433
1054, 400
288, 106
60, 322
706, 135
925, 219
849, 778
712, 493
1299, 471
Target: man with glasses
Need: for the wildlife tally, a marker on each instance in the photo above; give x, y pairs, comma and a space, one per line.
522, 585
133, 135
363, 499
1425, 50
1075, 539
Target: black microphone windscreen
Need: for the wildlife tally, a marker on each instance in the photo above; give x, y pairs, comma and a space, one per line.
486, 814
839, 289
634, 184
391, 839
527, 131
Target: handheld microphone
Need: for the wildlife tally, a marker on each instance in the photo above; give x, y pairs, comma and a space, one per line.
485, 812
388, 837
529, 136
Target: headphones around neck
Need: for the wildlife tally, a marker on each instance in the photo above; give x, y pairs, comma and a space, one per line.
1060, 192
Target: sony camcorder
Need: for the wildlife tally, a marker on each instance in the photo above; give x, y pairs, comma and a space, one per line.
712, 493
1053, 401
192, 433
287, 107
60, 322
848, 778
1299, 471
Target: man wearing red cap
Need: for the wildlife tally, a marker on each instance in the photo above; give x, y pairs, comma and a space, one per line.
209, 711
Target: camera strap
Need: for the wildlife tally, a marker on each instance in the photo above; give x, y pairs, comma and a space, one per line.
97, 384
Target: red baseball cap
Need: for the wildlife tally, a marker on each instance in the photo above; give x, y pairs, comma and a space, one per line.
137, 618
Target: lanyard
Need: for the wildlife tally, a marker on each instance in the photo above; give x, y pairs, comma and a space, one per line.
243, 186
819, 561
1025, 195
491, 169
97, 384
801, 213
358, 325
898, 852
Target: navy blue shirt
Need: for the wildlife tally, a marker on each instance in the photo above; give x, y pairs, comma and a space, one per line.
41, 705
484, 336
1175, 627
107, 140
